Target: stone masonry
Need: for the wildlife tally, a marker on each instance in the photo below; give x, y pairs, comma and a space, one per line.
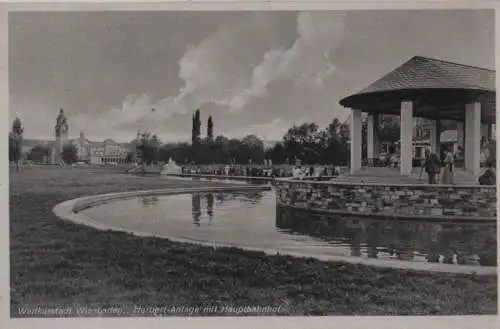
462, 202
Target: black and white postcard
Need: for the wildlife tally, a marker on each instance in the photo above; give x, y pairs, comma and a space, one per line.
186, 162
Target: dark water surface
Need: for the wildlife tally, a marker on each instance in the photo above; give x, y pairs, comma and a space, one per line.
252, 219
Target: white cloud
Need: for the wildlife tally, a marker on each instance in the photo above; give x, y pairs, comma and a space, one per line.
226, 69
213, 71
307, 62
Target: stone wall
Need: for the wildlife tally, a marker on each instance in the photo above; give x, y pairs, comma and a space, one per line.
395, 200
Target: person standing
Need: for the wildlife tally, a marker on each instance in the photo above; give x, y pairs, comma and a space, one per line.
448, 164
336, 171
432, 166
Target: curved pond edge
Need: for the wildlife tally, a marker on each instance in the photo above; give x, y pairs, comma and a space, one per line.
70, 211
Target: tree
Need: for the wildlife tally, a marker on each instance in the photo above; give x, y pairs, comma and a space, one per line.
181, 152
334, 144
155, 147
334, 127
221, 149
306, 142
130, 158
196, 130
344, 134
195, 138
233, 151
311, 145
302, 142
148, 148
69, 153
39, 153
193, 130
277, 154
16, 142
210, 128
251, 150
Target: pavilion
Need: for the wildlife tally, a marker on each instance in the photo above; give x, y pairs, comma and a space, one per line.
432, 89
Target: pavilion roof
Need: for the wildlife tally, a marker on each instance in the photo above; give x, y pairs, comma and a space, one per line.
431, 84
423, 72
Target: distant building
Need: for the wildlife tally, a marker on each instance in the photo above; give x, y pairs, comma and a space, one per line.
87, 151
109, 151
61, 130
83, 148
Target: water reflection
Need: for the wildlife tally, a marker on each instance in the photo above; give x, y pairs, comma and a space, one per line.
252, 219
404, 240
210, 207
201, 201
196, 208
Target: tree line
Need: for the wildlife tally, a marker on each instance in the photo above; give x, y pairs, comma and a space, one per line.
305, 142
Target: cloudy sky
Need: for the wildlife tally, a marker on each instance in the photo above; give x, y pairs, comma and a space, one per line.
254, 72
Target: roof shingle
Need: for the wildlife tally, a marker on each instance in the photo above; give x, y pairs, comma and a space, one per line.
438, 90
423, 72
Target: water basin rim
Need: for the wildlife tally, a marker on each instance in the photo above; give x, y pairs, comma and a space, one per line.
64, 212
222, 177
86, 202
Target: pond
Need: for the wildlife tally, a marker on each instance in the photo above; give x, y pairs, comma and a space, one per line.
252, 219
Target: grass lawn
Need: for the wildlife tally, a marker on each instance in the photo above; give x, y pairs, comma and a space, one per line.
56, 263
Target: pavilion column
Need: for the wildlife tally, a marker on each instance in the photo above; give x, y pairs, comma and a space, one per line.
406, 138
373, 141
355, 132
472, 137
435, 138
460, 135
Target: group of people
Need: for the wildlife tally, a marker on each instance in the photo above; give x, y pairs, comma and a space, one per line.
439, 168
316, 172
264, 171
238, 170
